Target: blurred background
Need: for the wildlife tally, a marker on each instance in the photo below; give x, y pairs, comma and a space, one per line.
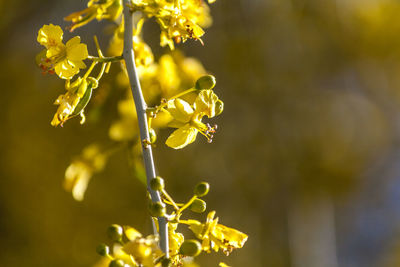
306, 160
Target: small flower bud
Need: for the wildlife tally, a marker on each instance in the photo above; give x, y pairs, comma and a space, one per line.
198, 206
166, 262
157, 184
219, 107
190, 248
157, 209
201, 189
115, 232
205, 82
153, 135
103, 250
117, 263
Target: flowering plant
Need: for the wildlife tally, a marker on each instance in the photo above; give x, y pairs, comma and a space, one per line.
175, 92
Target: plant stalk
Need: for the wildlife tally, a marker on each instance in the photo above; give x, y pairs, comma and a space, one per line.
141, 107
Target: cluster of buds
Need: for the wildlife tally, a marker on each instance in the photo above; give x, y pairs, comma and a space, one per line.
130, 248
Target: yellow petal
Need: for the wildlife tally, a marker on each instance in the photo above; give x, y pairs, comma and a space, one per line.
182, 137
55, 51
206, 103
233, 236
175, 124
76, 50
64, 70
180, 110
77, 64
50, 35
131, 233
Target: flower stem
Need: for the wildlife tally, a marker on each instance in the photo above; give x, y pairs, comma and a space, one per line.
186, 205
169, 198
141, 106
105, 59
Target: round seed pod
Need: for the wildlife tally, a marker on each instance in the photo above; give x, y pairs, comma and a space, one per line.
153, 135
190, 248
157, 209
157, 184
115, 232
201, 189
117, 263
198, 206
205, 82
103, 250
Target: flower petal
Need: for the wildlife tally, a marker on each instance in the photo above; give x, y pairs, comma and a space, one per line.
75, 50
180, 110
206, 103
50, 35
65, 70
182, 137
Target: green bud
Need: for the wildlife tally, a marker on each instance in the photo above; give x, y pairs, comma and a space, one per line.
153, 136
157, 209
190, 248
205, 82
166, 262
201, 189
115, 232
219, 107
198, 206
103, 250
117, 263
157, 184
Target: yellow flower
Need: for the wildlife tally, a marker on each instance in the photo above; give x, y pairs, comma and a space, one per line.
97, 9
141, 251
81, 170
175, 241
65, 60
74, 101
179, 20
188, 120
217, 236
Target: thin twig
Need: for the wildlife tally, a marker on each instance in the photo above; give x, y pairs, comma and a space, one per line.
105, 59
141, 107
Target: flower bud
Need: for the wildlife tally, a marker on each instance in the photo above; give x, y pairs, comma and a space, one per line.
157, 184
157, 209
117, 263
198, 206
103, 250
205, 82
219, 107
153, 135
166, 262
115, 232
190, 248
201, 189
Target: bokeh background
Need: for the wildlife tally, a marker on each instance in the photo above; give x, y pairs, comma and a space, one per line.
306, 160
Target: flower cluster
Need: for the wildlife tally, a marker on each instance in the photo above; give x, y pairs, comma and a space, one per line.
132, 249
178, 20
